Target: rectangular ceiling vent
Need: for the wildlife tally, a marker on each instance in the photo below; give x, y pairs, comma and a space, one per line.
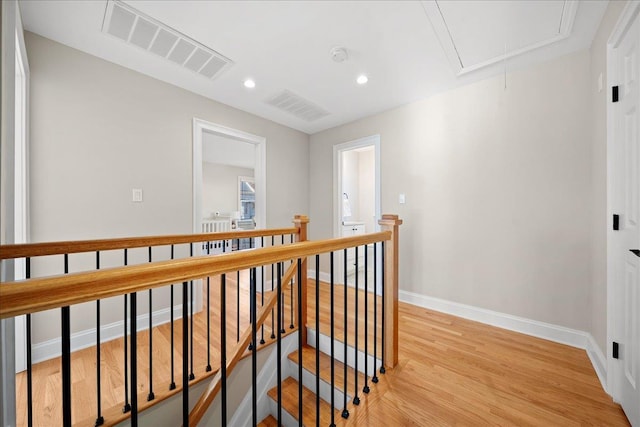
132, 26
298, 106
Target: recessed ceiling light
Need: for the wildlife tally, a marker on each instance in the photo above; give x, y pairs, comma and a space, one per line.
362, 79
249, 84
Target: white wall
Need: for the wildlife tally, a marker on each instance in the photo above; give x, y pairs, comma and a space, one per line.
598, 203
220, 188
367, 188
98, 130
498, 185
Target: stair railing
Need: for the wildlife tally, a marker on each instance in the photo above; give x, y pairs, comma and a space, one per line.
43, 293
42, 260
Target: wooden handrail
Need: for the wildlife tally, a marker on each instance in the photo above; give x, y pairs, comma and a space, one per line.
33, 295
78, 246
203, 403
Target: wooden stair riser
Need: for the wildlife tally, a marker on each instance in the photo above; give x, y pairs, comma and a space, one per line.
309, 381
288, 420
325, 347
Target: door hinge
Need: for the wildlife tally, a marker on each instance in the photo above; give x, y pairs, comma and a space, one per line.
616, 222
615, 350
614, 94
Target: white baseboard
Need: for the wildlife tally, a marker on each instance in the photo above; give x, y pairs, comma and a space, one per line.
324, 277
548, 331
87, 338
598, 360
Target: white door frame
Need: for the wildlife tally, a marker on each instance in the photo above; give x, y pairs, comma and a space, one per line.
338, 149
260, 169
21, 177
373, 140
630, 12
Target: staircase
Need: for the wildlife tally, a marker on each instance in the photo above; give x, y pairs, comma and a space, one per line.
311, 360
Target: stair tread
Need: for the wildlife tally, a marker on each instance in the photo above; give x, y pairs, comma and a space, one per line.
268, 422
309, 363
290, 403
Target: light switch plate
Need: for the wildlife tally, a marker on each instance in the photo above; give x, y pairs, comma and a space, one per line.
401, 199
136, 195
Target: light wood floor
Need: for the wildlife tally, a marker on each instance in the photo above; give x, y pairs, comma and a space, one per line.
451, 372
454, 371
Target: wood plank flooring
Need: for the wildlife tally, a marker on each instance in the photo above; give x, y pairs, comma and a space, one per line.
451, 372
454, 371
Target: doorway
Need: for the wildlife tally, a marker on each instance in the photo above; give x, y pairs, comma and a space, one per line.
356, 168
623, 237
233, 148
21, 186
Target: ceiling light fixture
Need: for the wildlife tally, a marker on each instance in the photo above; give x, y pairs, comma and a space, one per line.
250, 84
362, 79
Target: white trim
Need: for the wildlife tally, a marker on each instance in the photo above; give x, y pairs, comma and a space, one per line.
367, 141
598, 360
87, 338
547, 331
260, 170
626, 18
265, 381
373, 140
324, 276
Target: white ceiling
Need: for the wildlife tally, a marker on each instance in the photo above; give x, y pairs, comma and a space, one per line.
405, 47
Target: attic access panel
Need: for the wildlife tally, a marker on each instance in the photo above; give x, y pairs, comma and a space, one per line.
478, 34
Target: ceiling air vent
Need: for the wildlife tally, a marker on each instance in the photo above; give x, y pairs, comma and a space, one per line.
298, 106
132, 26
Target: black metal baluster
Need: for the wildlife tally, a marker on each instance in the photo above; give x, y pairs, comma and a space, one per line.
281, 295
99, 417
133, 311
172, 385
185, 355
291, 325
281, 314
374, 379
254, 349
318, 339
366, 321
279, 346
223, 348
332, 346
345, 411
208, 368
151, 395
262, 293
29, 359
382, 369
65, 313
300, 326
273, 320
356, 399
192, 376
127, 407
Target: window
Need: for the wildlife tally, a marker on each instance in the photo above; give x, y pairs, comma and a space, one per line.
247, 197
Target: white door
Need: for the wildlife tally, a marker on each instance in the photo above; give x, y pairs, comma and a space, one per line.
626, 241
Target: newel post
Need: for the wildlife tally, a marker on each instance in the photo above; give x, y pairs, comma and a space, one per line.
391, 223
301, 221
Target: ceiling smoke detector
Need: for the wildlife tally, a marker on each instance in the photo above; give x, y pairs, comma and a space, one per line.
339, 54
